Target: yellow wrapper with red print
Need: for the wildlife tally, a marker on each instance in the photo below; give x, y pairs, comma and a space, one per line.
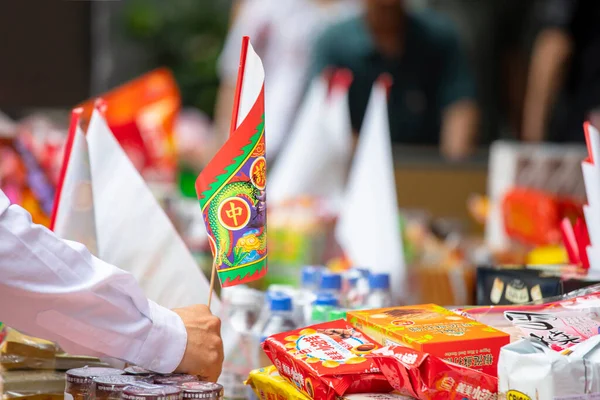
267, 384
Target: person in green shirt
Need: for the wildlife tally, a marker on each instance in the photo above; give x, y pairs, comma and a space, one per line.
431, 99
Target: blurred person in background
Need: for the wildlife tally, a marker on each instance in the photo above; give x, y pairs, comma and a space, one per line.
497, 36
564, 77
431, 99
283, 33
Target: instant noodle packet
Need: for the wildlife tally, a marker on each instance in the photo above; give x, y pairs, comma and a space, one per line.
435, 330
327, 360
427, 377
267, 384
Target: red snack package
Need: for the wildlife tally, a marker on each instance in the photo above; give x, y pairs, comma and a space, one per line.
327, 360
427, 377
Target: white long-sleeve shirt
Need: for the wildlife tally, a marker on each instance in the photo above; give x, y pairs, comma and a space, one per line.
56, 290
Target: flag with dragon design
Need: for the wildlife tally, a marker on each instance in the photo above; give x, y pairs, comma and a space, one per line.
231, 189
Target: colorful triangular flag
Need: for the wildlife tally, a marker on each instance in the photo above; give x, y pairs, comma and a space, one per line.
231, 189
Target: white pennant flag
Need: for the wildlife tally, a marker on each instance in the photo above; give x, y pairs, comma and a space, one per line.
74, 217
368, 228
131, 229
315, 159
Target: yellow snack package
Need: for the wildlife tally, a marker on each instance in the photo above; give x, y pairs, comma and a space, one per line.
269, 385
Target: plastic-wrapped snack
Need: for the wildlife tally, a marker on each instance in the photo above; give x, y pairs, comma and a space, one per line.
434, 330
174, 379
327, 360
376, 396
148, 391
427, 377
202, 390
268, 384
80, 381
111, 387
559, 323
528, 370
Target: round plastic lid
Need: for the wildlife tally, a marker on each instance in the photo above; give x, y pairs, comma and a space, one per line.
112, 382
331, 280
89, 373
280, 302
150, 391
326, 299
379, 281
135, 370
174, 379
310, 274
201, 390
364, 272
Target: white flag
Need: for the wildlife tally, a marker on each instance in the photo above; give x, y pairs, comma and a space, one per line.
74, 218
316, 157
368, 227
131, 229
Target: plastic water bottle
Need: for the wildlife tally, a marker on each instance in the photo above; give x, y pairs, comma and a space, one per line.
336, 314
331, 282
311, 277
281, 318
379, 296
324, 303
352, 298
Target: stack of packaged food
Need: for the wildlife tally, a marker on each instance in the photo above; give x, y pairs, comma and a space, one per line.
532, 351
134, 383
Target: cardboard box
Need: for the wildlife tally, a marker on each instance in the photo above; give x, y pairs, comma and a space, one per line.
435, 330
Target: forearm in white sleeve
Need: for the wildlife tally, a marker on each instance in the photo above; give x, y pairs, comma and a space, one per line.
56, 290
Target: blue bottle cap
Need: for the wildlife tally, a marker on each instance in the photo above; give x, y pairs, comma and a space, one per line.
310, 275
331, 280
379, 281
326, 299
363, 271
280, 302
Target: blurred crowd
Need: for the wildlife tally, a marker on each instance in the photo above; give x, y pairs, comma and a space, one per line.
463, 72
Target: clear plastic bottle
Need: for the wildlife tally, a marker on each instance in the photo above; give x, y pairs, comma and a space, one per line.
379, 295
324, 303
336, 313
311, 277
281, 318
242, 308
352, 298
331, 282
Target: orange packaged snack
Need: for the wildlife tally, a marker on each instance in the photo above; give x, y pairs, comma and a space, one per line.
327, 360
433, 329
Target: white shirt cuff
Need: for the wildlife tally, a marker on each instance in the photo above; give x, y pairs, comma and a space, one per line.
163, 350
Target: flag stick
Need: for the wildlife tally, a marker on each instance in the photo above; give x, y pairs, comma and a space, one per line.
211, 289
